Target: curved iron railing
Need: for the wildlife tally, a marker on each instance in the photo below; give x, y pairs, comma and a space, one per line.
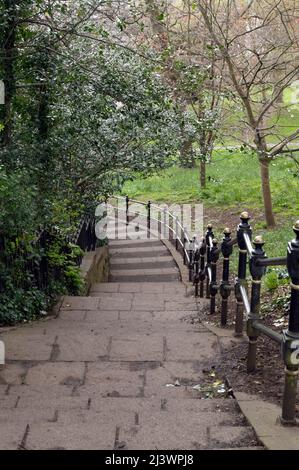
37, 267
176, 231
202, 259
248, 306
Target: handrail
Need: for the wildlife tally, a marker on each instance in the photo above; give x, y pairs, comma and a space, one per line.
162, 210
202, 258
248, 244
245, 300
279, 261
258, 262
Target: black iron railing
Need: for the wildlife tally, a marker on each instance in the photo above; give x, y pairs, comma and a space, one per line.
159, 223
85, 237
248, 305
202, 258
33, 261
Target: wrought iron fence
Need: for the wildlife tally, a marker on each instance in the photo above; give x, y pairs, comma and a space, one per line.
202, 258
34, 263
248, 304
168, 224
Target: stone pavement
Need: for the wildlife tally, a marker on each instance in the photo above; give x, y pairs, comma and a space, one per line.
102, 374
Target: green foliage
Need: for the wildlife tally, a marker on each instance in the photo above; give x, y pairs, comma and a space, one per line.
22, 305
63, 258
81, 117
227, 186
275, 278
21, 298
233, 185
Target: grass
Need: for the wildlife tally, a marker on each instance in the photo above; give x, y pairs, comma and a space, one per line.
233, 185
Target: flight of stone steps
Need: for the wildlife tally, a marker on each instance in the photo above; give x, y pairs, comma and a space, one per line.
141, 261
119, 369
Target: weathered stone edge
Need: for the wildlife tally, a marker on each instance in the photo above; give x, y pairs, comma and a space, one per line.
95, 267
263, 416
184, 272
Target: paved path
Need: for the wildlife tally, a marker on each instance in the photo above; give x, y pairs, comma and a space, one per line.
116, 370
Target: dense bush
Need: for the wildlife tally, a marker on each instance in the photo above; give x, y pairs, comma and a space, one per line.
81, 116
23, 295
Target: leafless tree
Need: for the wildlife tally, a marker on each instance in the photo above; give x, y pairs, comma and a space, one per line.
259, 43
179, 37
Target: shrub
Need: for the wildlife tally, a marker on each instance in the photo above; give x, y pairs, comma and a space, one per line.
23, 295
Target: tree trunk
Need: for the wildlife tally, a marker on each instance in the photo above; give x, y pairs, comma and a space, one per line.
7, 46
186, 155
266, 191
203, 173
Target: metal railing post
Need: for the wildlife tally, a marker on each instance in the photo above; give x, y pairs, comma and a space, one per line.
243, 227
159, 224
202, 274
164, 221
127, 210
209, 237
148, 206
196, 276
213, 286
176, 232
257, 273
290, 347
191, 258
185, 240
226, 250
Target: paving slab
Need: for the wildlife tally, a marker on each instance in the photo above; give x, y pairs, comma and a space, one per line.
140, 251
13, 374
110, 303
51, 373
137, 348
116, 369
80, 303
27, 416
115, 403
30, 348
93, 435
141, 261
165, 431
114, 379
231, 436
82, 346
191, 346
161, 381
114, 417
11, 435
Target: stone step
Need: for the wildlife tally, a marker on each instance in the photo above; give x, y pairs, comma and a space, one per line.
144, 278
134, 243
144, 271
138, 255
140, 250
150, 259
145, 265
153, 287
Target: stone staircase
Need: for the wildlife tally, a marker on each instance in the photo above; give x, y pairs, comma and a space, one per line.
141, 261
119, 369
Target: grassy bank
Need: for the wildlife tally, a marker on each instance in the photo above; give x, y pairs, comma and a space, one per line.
233, 185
